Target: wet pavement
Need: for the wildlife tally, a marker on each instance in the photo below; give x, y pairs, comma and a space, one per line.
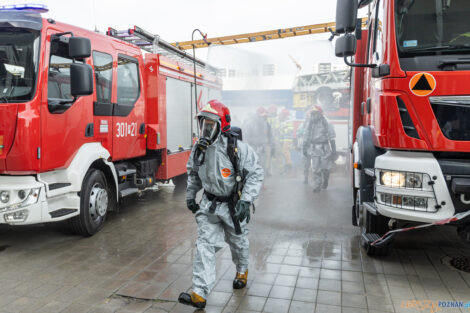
305, 257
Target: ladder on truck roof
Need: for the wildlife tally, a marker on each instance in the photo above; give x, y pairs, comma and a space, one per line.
311, 82
154, 44
262, 35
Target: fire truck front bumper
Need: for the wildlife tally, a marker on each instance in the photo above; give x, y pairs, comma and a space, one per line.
411, 186
22, 200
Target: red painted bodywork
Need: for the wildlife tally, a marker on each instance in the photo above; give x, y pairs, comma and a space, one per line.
384, 118
36, 140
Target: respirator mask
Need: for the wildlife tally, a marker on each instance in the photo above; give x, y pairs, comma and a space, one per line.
209, 131
316, 115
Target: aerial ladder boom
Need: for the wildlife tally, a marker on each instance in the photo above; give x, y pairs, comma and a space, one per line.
261, 36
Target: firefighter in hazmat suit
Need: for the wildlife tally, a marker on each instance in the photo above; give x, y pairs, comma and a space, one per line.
286, 134
221, 165
319, 148
258, 134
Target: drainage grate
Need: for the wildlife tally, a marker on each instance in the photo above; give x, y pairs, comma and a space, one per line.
462, 263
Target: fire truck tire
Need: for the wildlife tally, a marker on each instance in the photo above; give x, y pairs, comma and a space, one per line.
367, 155
181, 181
95, 200
378, 225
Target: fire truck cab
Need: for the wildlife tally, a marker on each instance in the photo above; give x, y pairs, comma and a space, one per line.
410, 126
87, 119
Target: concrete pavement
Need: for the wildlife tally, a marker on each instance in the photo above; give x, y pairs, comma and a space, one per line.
305, 257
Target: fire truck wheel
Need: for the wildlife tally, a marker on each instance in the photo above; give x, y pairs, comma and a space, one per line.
181, 181
94, 204
377, 225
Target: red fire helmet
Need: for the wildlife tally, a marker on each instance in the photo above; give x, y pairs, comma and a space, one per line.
317, 108
284, 113
261, 111
217, 111
272, 110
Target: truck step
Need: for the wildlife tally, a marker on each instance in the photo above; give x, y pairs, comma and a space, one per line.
128, 192
370, 237
127, 172
62, 212
58, 186
370, 207
369, 172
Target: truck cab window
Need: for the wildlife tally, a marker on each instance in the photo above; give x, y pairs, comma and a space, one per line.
19, 50
374, 26
128, 85
429, 27
58, 85
103, 65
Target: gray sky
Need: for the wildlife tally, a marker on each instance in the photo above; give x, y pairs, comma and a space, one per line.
175, 20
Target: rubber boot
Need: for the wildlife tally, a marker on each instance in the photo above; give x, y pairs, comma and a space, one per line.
326, 177
192, 299
240, 280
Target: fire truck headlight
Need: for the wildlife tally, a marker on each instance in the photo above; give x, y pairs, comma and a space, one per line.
22, 194
414, 180
32, 197
392, 179
15, 199
5, 196
16, 217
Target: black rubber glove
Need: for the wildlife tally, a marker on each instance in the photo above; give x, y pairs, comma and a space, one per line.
192, 205
242, 211
334, 154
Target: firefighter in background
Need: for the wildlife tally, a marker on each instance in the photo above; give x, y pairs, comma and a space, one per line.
258, 134
229, 172
319, 148
286, 138
272, 117
273, 122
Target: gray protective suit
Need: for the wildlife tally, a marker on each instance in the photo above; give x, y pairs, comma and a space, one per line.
317, 136
216, 176
258, 134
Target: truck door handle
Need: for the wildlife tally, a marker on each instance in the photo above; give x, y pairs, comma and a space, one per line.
89, 130
142, 129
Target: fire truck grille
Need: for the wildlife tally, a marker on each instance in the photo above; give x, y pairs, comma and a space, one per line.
406, 121
453, 115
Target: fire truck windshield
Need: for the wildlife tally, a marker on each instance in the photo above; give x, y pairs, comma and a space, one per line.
19, 56
427, 27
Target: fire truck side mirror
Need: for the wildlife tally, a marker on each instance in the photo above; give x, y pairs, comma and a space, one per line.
346, 16
346, 46
79, 47
81, 79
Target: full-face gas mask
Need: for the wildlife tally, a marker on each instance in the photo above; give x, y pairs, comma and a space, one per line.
316, 114
209, 131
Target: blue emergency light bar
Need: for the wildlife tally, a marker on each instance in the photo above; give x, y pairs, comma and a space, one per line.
33, 7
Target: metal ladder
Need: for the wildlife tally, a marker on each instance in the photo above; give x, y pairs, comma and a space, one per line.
154, 44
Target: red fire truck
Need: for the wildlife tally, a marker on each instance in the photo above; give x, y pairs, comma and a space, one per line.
410, 127
87, 119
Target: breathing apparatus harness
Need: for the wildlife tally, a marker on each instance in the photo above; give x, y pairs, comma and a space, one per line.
240, 175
